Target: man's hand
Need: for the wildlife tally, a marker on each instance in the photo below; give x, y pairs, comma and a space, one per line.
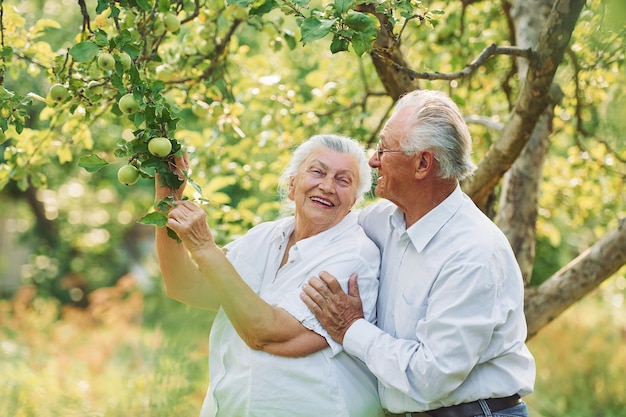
334, 309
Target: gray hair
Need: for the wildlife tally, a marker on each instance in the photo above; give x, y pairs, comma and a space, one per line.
436, 124
341, 144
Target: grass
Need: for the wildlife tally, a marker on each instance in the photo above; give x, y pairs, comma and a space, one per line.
135, 355
124, 356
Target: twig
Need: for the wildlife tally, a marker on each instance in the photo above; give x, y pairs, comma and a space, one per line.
487, 53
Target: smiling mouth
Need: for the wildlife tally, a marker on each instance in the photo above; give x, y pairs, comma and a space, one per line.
323, 201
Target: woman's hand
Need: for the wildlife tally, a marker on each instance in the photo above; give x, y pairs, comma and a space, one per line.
180, 168
189, 223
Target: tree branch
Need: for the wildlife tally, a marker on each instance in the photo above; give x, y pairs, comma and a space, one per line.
85, 14
576, 279
487, 53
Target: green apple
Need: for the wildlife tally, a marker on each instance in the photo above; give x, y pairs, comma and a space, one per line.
128, 135
164, 72
128, 175
128, 104
106, 61
171, 22
58, 92
160, 146
125, 60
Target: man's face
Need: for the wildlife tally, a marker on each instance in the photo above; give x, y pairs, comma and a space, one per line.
396, 170
324, 190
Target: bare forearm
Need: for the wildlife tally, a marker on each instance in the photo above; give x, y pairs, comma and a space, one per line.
261, 325
181, 276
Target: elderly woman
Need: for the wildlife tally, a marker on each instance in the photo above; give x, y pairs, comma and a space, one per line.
268, 354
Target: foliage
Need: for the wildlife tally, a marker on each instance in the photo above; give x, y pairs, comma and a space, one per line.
237, 85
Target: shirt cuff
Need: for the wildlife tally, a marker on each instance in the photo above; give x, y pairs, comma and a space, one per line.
359, 337
302, 313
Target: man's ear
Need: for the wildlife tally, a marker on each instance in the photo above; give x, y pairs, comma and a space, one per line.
424, 164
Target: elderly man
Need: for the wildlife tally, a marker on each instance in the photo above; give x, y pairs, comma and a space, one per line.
450, 337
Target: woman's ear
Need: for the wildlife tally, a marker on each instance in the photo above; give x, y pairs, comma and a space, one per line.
290, 193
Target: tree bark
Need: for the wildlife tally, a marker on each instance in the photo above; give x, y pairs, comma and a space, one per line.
387, 56
518, 206
576, 279
517, 213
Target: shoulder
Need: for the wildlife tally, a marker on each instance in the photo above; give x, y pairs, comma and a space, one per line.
262, 232
377, 210
374, 219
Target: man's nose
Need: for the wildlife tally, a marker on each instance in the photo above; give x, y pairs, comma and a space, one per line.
374, 162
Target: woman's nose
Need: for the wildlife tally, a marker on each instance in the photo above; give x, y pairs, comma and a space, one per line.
326, 184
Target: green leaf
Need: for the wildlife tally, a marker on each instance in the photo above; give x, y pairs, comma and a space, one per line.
157, 218
194, 184
164, 204
241, 3
264, 8
313, 28
339, 45
6, 52
101, 38
173, 235
164, 6
362, 42
144, 4
102, 5
290, 40
342, 6
359, 21
91, 163
84, 51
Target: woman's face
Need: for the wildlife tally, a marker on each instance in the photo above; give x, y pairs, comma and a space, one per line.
324, 189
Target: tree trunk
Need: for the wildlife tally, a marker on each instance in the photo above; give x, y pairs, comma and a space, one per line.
531, 102
517, 212
387, 56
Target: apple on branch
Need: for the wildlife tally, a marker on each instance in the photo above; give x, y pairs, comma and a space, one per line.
171, 22
106, 61
128, 104
58, 93
160, 146
125, 60
128, 175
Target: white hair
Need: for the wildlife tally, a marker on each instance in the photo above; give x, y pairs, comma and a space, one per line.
436, 124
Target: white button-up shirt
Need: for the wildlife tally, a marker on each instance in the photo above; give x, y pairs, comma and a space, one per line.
451, 326
246, 382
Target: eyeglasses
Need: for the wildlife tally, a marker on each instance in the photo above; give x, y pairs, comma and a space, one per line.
380, 151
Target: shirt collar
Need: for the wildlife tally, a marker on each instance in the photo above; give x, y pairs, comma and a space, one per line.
313, 243
427, 227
